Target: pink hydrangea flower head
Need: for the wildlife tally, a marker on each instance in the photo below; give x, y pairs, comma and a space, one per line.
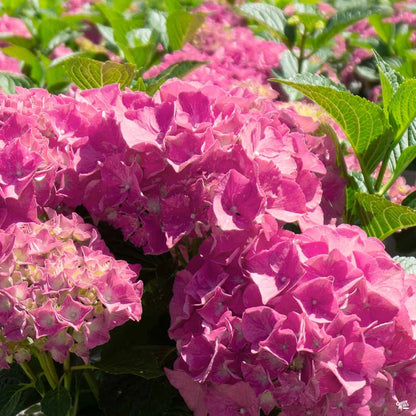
13, 26
307, 321
59, 282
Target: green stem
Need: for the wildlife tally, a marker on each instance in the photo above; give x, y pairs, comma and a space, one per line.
385, 188
28, 371
83, 367
366, 176
301, 51
48, 368
51, 368
381, 175
76, 401
368, 183
92, 384
67, 373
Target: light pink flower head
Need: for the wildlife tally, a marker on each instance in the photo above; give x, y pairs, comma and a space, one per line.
59, 286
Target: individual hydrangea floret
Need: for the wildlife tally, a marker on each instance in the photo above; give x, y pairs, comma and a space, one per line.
60, 289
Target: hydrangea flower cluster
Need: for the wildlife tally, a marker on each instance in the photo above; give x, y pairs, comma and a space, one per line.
60, 289
39, 134
178, 164
11, 26
190, 160
321, 323
235, 56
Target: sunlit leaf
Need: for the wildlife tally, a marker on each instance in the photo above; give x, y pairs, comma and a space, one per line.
380, 217
344, 18
402, 108
88, 73
181, 26
362, 121
36, 70
390, 80
266, 14
9, 80
176, 70
56, 402
408, 263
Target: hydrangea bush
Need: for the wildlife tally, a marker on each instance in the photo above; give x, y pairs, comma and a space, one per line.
212, 184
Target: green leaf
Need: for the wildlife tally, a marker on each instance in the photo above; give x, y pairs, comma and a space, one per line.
362, 121
139, 37
410, 200
121, 5
122, 395
172, 5
408, 263
141, 360
350, 213
48, 29
89, 73
380, 217
328, 130
344, 18
181, 26
289, 68
407, 140
140, 56
139, 85
49, 4
266, 14
402, 107
390, 81
36, 70
34, 409
11, 7
9, 400
110, 14
404, 160
157, 21
121, 28
9, 80
17, 40
108, 33
384, 30
115, 73
177, 70
56, 402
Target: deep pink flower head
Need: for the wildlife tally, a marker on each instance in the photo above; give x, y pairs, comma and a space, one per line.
233, 55
13, 26
9, 64
320, 323
60, 286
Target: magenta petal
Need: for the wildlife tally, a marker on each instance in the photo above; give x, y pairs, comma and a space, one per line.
257, 323
231, 400
282, 343
318, 299
192, 392
350, 380
237, 201
363, 359
286, 202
